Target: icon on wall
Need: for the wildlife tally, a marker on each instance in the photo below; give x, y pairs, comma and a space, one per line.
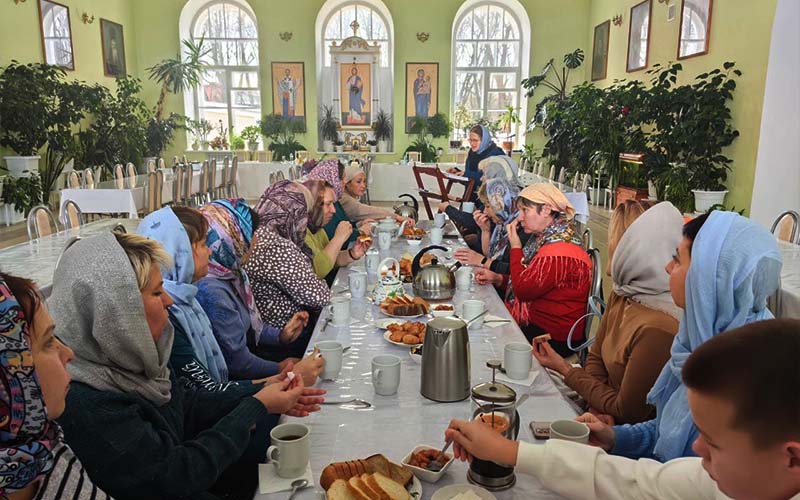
422, 91
600, 50
113, 48
355, 94
288, 90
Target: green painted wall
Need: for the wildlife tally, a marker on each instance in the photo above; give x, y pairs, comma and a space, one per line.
557, 27
740, 31
21, 36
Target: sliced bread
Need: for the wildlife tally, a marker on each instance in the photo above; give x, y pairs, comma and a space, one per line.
340, 490
357, 484
392, 488
377, 492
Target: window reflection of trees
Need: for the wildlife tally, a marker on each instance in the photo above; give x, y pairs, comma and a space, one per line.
371, 27
58, 46
694, 28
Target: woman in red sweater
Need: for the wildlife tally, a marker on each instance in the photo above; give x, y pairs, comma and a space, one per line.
547, 289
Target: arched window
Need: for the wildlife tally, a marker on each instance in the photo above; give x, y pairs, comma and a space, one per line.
369, 23
229, 90
490, 55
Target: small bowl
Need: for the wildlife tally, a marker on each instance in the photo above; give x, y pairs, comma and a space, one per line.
441, 314
416, 354
424, 474
415, 243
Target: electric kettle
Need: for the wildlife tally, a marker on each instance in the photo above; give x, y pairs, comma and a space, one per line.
445, 361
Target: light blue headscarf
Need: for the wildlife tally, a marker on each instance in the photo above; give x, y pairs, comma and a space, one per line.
501, 195
486, 139
163, 226
735, 267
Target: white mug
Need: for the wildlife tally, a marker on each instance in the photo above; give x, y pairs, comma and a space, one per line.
437, 233
384, 240
332, 354
358, 284
339, 310
471, 310
439, 220
517, 360
464, 278
468, 207
373, 260
570, 430
290, 449
386, 374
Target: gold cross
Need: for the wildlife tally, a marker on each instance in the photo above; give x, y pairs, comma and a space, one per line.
355, 27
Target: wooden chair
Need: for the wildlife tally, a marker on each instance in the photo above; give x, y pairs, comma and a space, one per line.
130, 171
186, 185
73, 181
212, 181
292, 174
97, 176
119, 177
41, 222
562, 176
279, 176
72, 216
232, 186
152, 193
199, 196
177, 185
88, 179
551, 176
160, 187
785, 226
219, 190
445, 183
151, 166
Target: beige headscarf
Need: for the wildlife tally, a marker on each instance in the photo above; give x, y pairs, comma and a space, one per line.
351, 171
549, 195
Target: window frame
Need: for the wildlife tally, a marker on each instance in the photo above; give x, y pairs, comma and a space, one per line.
374, 11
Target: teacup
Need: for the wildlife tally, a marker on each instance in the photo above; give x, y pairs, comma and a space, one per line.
290, 449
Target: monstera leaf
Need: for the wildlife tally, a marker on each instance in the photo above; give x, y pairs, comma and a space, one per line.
573, 59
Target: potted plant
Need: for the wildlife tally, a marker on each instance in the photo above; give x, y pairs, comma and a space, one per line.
339, 145
159, 135
237, 143
382, 129
507, 120
691, 129
427, 129
373, 145
281, 132
201, 129
23, 193
251, 134
328, 127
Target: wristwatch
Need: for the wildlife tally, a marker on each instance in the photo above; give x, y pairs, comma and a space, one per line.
483, 261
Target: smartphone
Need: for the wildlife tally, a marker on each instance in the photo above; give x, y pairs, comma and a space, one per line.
540, 430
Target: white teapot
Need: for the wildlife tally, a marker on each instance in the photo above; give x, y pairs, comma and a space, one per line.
390, 284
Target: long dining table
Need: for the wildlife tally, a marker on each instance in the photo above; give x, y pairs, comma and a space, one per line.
395, 424
37, 259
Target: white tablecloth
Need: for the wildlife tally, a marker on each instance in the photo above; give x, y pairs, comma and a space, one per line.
253, 177
389, 180
790, 280
397, 423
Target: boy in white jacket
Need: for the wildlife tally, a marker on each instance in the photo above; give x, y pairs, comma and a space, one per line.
744, 394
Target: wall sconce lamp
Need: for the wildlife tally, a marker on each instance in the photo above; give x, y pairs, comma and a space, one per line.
423, 37
87, 19
617, 20
285, 35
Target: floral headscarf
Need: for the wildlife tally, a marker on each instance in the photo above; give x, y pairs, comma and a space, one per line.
27, 437
328, 170
230, 231
308, 166
501, 195
283, 210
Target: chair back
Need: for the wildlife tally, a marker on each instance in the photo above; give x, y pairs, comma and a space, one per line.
785, 226
212, 175
152, 192
186, 184
161, 164
130, 172
292, 174
298, 171
224, 174
73, 181
88, 179
119, 177
585, 182
575, 179
160, 187
233, 180
562, 175
204, 177
272, 178
177, 184
279, 176
588, 240
72, 216
184, 160
597, 272
552, 174
151, 166
41, 222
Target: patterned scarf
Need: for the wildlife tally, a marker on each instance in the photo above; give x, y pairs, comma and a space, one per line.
27, 437
282, 210
308, 166
230, 232
328, 170
501, 195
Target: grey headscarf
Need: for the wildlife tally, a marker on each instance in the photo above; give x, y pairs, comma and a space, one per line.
637, 266
99, 313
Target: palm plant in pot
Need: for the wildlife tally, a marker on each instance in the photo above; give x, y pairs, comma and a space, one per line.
251, 134
382, 129
281, 131
692, 126
328, 126
506, 122
428, 129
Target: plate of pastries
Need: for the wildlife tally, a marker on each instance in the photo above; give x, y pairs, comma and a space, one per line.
406, 334
373, 478
413, 232
404, 306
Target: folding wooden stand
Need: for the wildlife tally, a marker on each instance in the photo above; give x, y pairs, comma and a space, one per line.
446, 182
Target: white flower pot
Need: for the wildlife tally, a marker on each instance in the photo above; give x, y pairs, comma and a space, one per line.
652, 192
383, 146
9, 216
373, 149
22, 166
703, 200
195, 146
204, 145
327, 146
340, 149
